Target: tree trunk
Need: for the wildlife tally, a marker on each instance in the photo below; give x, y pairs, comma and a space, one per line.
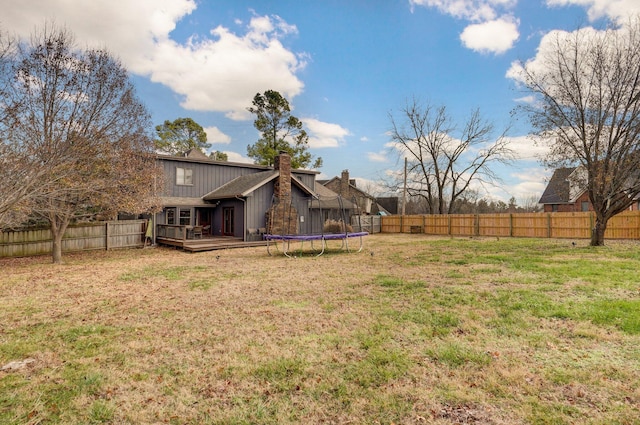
58, 228
56, 252
597, 233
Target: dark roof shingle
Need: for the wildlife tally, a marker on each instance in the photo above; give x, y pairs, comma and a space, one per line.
557, 191
241, 186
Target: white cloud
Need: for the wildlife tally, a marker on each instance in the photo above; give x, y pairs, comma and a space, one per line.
215, 136
219, 74
364, 139
615, 9
619, 10
545, 53
471, 10
526, 99
528, 148
323, 134
372, 187
129, 29
527, 182
493, 29
495, 36
216, 73
377, 156
236, 157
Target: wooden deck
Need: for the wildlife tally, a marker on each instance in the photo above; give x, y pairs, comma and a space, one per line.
208, 243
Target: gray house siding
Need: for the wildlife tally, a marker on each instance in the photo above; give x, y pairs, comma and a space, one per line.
307, 179
300, 201
205, 176
217, 218
257, 205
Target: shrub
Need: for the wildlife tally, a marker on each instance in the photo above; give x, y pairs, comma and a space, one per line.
336, 226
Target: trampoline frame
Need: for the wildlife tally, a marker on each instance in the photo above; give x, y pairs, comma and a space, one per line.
287, 239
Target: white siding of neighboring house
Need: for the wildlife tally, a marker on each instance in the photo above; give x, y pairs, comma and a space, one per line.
577, 183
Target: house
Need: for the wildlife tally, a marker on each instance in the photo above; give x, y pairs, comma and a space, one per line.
347, 189
567, 192
243, 201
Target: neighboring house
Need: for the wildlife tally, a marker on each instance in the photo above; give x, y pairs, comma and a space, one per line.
345, 187
567, 192
390, 204
237, 199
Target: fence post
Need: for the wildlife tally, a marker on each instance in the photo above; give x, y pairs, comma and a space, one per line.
510, 225
477, 225
106, 240
548, 225
449, 224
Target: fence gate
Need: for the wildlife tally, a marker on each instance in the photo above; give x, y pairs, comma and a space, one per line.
366, 223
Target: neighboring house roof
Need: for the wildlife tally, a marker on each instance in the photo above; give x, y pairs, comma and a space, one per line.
352, 186
389, 204
241, 186
195, 153
568, 184
558, 189
330, 200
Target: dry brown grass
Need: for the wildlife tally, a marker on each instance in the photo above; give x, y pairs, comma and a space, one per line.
411, 330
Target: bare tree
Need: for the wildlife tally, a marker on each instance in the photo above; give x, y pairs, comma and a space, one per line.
20, 169
444, 159
587, 103
530, 203
15, 172
76, 116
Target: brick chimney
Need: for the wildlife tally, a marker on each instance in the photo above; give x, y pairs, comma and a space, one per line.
344, 184
282, 186
282, 217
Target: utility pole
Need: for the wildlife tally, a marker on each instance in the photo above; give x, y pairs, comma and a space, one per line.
404, 190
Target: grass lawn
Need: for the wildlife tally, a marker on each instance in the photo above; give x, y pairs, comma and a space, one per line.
413, 330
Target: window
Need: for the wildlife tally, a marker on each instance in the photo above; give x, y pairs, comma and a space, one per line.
554, 208
584, 206
184, 176
185, 217
171, 216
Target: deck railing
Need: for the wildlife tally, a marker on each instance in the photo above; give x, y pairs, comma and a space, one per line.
172, 231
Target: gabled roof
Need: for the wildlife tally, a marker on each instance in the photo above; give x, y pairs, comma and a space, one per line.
302, 186
179, 201
241, 186
558, 189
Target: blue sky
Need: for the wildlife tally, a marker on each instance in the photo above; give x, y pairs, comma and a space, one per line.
344, 65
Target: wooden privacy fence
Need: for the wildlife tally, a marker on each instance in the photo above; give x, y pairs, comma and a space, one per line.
576, 225
81, 237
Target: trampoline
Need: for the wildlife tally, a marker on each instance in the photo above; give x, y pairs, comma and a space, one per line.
286, 240
306, 225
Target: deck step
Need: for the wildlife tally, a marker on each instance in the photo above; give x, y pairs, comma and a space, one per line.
209, 244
